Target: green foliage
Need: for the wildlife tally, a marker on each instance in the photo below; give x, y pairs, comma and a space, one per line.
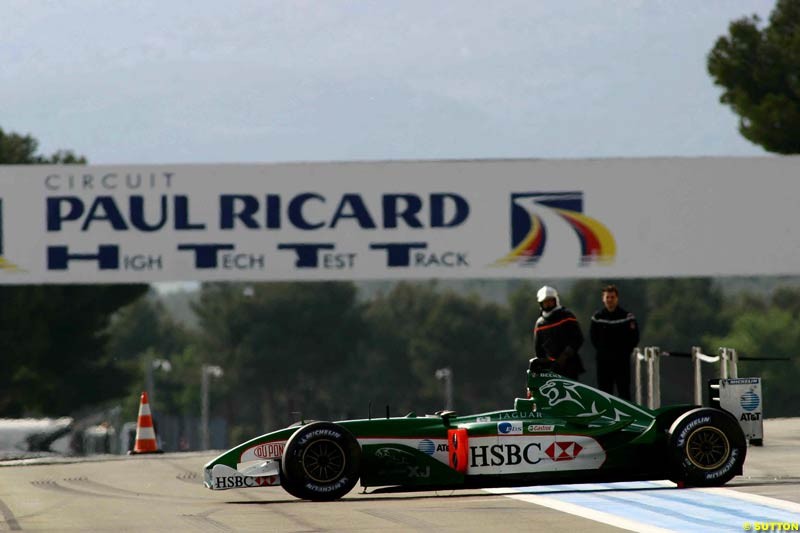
315, 350
471, 338
281, 345
678, 312
759, 71
311, 349
417, 329
787, 299
142, 332
18, 149
53, 339
768, 330
53, 343
391, 324
524, 310
145, 325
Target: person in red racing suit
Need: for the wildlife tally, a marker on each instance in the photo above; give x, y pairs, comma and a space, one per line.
557, 335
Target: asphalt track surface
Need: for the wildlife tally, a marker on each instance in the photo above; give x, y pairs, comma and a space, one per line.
165, 493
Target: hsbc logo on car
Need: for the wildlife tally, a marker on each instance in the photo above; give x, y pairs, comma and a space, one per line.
563, 451
240, 482
507, 453
515, 454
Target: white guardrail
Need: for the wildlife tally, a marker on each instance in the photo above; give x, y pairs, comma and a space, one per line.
650, 358
742, 397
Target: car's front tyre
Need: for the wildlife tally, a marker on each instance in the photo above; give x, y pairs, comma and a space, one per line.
320, 462
707, 448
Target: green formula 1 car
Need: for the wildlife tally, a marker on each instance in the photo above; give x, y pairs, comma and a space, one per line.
564, 432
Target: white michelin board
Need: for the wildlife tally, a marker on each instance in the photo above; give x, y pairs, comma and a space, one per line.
400, 220
742, 398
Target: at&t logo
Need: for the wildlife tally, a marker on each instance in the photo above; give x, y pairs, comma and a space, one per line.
749, 401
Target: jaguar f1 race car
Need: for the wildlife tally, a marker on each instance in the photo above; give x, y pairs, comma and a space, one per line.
564, 432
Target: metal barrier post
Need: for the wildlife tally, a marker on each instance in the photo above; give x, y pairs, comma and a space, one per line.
730, 363
637, 369
734, 363
698, 379
648, 355
652, 355
656, 354
698, 358
723, 365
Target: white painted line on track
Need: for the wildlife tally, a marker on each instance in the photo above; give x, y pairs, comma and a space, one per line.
579, 510
756, 498
658, 506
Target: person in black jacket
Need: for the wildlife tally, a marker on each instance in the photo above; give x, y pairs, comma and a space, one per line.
614, 334
557, 335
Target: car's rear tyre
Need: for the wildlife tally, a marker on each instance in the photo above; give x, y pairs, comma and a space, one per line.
707, 448
320, 462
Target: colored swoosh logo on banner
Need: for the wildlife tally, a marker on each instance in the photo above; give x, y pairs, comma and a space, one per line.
597, 243
529, 231
6, 265
531, 247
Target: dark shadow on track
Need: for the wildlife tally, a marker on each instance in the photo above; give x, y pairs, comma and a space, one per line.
451, 493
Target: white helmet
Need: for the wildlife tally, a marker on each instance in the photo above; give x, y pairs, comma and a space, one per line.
547, 292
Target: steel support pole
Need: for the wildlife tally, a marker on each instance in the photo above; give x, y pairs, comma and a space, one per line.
723, 363
637, 377
656, 354
648, 354
204, 439
698, 377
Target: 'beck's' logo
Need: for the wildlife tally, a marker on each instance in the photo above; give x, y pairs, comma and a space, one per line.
4, 265
529, 230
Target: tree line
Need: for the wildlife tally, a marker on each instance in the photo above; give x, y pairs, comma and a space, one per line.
319, 351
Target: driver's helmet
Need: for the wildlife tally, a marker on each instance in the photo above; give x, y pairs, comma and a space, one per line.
547, 292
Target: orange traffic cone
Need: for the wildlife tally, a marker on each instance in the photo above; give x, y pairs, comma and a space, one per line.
145, 434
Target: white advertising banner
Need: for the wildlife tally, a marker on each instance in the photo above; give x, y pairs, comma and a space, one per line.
400, 220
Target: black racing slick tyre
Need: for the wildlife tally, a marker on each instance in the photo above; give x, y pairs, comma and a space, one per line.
320, 462
707, 448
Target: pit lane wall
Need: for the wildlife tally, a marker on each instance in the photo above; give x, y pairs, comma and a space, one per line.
400, 220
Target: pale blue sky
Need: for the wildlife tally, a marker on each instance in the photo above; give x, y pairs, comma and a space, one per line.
253, 81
